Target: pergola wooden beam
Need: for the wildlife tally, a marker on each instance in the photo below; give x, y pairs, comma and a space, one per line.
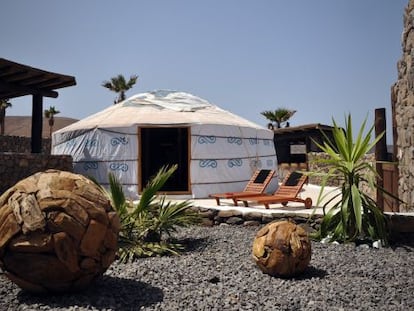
20, 90
19, 80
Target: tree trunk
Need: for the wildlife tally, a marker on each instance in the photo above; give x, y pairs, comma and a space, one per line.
51, 123
2, 120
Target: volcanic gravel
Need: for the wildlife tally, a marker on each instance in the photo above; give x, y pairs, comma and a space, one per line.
218, 273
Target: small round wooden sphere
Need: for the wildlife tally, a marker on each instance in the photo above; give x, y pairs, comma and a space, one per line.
282, 249
58, 232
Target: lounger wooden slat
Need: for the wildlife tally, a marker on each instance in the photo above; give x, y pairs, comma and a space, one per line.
288, 191
256, 186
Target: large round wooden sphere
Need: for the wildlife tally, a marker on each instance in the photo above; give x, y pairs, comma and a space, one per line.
282, 249
58, 232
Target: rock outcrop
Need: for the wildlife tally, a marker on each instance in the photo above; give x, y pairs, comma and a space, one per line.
403, 113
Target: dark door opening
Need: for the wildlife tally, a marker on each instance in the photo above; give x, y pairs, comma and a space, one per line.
165, 146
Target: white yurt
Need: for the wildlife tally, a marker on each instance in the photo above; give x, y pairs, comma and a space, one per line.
215, 150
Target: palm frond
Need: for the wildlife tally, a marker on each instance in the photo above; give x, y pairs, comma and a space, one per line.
144, 224
173, 215
149, 193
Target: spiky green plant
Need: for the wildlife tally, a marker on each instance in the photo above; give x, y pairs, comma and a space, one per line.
354, 214
147, 227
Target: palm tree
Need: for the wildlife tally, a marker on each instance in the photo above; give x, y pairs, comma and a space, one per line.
119, 85
50, 113
279, 116
4, 104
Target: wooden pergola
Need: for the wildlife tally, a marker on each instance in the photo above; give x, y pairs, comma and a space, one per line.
19, 80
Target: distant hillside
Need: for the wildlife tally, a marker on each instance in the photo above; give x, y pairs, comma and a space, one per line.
22, 125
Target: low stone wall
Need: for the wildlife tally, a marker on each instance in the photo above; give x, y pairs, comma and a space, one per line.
21, 144
402, 103
213, 217
17, 166
401, 226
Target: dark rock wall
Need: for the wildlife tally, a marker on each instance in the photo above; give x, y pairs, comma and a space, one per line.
403, 113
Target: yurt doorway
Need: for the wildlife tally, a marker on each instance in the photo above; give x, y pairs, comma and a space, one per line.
165, 146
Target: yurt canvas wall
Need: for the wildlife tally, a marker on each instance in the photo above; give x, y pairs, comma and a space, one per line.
216, 151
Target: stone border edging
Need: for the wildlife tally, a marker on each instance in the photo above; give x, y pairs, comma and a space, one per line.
214, 217
399, 224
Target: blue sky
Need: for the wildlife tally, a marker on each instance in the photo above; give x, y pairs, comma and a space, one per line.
323, 58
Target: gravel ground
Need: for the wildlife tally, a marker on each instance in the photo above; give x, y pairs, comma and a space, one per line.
217, 273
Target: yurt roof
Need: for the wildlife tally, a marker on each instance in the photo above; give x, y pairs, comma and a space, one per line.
161, 108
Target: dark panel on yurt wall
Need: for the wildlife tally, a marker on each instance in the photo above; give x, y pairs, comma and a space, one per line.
165, 146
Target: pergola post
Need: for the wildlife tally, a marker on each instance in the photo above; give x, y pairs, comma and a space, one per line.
20, 80
37, 123
381, 153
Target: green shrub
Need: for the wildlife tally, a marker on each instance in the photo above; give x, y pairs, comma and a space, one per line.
147, 227
354, 215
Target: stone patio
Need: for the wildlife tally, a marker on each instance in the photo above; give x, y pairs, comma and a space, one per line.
214, 214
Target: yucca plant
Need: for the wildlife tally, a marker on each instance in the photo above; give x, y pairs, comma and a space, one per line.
354, 215
147, 227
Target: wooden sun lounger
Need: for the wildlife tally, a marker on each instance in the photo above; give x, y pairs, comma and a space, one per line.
256, 186
288, 191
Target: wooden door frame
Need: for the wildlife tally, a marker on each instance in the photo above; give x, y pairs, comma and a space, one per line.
140, 186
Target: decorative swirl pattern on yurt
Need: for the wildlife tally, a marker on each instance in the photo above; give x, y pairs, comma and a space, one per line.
234, 140
91, 165
235, 162
118, 166
91, 143
206, 139
208, 163
253, 141
119, 141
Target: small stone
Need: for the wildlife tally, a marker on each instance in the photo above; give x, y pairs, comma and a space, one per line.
234, 220
377, 244
207, 214
207, 222
251, 223
253, 216
229, 213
